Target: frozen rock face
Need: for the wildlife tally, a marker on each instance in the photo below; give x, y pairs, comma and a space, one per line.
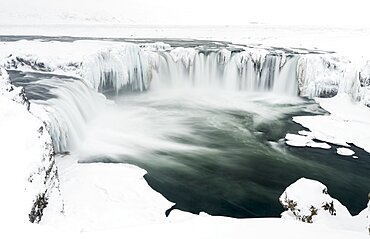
308, 201
12, 92
327, 75
29, 153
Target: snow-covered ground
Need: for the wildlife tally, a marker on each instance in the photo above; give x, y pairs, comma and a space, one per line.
28, 174
345, 40
191, 12
104, 196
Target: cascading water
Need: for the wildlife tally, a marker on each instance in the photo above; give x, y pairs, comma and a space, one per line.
207, 122
134, 69
66, 103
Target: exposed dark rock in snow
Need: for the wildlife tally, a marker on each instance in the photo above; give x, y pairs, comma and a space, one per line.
12, 92
308, 201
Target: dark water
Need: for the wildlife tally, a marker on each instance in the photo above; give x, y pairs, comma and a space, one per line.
224, 155
37, 85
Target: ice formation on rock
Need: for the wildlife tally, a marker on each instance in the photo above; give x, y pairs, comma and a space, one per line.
329, 74
309, 201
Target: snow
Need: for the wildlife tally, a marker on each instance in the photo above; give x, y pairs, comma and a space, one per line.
20, 153
304, 140
95, 201
329, 74
23, 152
139, 12
309, 201
345, 125
345, 152
128, 206
221, 227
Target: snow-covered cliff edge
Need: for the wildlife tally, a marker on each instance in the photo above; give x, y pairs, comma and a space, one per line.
29, 175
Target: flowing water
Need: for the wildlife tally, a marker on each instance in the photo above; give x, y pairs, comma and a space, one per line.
210, 133
221, 152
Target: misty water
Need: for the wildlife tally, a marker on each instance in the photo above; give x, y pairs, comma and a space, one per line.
222, 152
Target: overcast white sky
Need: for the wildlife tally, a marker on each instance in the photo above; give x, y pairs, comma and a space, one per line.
188, 12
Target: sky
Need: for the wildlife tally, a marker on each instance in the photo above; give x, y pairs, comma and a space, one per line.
187, 12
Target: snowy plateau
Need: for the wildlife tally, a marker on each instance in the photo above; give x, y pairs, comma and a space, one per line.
42, 180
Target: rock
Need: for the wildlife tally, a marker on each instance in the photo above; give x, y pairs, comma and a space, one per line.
308, 201
12, 92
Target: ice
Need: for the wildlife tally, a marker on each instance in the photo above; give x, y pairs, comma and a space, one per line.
107, 65
328, 75
66, 114
345, 152
112, 66
346, 124
304, 140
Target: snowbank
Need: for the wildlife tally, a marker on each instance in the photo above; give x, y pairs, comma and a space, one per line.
102, 196
29, 174
345, 125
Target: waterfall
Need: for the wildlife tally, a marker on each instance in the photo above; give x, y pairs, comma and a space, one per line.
66, 104
127, 67
70, 103
134, 69
69, 112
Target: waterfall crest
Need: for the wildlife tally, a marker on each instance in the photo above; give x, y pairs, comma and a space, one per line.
135, 69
